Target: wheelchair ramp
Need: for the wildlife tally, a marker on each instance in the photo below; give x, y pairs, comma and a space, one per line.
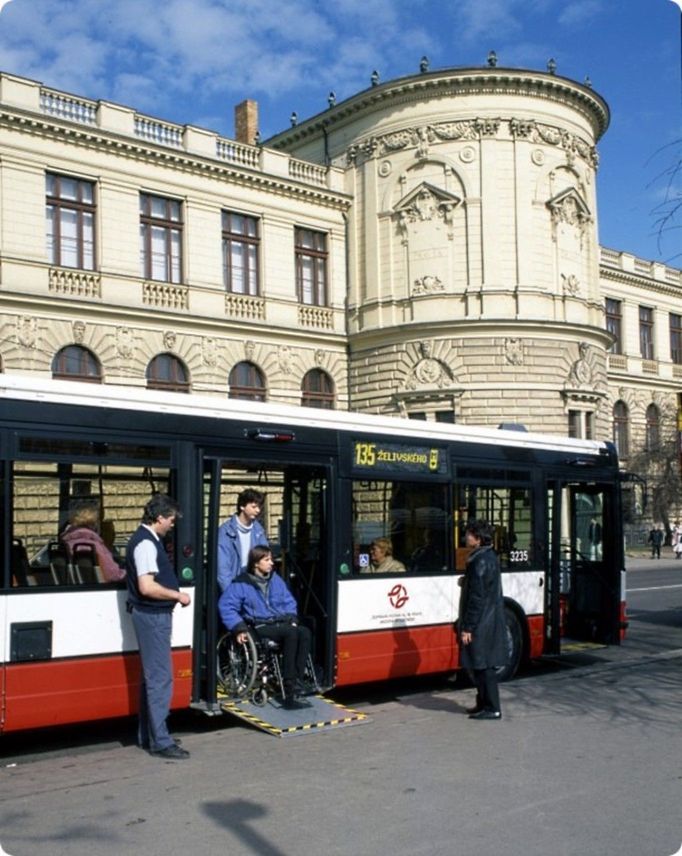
318, 714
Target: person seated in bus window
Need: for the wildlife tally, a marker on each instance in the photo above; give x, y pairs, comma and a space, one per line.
82, 529
381, 559
259, 599
238, 535
427, 559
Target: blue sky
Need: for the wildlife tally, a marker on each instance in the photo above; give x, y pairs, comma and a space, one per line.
191, 61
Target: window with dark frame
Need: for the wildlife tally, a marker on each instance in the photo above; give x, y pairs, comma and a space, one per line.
74, 362
653, 428
317, 390
676, 338
574, 424
311, 266
160, 238
246, 381
646, 332
621, 429
614, 318
70, 227
240, 253
166, 371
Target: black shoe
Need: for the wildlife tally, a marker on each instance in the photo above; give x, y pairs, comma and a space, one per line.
472, 710
486, 714
174, 752
292, 703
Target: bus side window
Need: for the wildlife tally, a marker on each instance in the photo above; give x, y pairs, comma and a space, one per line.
411, 516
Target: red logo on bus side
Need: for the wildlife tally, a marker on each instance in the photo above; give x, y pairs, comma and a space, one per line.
398, 596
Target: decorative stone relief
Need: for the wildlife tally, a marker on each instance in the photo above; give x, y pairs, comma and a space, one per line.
319, 357
124, 342
427, 285
249, 349
27, 331
209, 351
468, 154
425, 203
570, 284
581, 371
385, 168
429, 371
169, 340
538, 157
513, 351
78, 332
570, 208
536, 132
284, 359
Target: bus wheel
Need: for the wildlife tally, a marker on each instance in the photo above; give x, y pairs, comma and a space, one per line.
514, 646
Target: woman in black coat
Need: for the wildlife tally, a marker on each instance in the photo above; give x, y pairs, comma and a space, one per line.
482, 626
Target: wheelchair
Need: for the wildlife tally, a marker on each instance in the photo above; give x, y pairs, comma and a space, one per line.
252, 671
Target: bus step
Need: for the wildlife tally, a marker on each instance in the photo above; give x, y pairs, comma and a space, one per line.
574, 646
317, 714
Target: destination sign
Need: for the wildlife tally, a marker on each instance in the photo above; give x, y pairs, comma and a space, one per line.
398, 458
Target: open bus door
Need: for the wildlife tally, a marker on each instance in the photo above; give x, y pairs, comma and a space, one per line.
295, 518
583, 589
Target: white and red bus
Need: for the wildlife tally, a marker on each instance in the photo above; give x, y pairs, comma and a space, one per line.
334, 482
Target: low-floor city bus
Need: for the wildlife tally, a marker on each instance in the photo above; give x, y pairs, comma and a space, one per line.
334, 482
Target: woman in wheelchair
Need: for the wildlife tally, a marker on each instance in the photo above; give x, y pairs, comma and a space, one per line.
260, 600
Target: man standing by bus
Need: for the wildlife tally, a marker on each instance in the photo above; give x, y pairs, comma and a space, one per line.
239, 535
153, 591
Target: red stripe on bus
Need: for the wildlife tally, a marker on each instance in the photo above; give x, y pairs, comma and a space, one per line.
382, 654
536, 635
56, 692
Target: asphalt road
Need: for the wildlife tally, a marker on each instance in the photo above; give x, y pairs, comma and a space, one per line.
587, 760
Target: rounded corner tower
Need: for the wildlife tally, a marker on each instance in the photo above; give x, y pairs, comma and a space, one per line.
473, 259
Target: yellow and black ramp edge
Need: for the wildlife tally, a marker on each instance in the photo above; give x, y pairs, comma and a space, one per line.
317, 713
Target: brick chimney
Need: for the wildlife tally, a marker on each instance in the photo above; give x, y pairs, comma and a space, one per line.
246, 122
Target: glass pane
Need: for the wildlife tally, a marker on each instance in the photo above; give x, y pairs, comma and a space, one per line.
69, 237
87, 191
50, 184
68, 188
176, 275
159, 271
158, 207
50, 236
88, 242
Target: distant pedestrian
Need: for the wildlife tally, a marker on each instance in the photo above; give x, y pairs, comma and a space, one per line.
656, 540
482, 625
677, 540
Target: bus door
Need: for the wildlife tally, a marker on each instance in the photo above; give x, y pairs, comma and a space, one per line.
583, 591
295, 518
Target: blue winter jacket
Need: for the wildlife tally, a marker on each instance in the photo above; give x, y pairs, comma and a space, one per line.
243, 603
229, 552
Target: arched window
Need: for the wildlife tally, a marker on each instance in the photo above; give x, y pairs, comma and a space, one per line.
166, 371
653, 428
317, 390
246, 381
74, 362
621, 429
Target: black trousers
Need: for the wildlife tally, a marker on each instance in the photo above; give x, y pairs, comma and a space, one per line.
295, 643
485, 681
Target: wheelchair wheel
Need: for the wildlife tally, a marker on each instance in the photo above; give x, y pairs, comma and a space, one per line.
236, 665
259, 696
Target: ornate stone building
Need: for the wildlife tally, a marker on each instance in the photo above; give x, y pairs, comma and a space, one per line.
426, 248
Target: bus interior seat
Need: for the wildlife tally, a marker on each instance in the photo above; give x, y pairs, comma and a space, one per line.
84, 563
60, 567
21, 570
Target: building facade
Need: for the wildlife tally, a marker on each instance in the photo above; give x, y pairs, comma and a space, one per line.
427, 248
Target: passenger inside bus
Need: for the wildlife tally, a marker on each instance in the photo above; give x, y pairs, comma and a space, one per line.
86, 547
381, 559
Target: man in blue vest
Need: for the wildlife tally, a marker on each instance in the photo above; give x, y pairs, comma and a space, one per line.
153, 591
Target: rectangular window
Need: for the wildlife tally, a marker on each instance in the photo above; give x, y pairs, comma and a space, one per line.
240, 253
589, 426
399, 527
160, 238
311, 266
509, 510
646, 332
70, 214
676, 339
614, 318
59, 510
574, 427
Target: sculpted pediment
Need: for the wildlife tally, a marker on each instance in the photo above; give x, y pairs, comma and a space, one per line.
569, 207
426, 201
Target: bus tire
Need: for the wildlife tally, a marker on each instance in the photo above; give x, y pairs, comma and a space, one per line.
514, 646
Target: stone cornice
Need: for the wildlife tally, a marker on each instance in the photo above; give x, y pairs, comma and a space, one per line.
452, 82
110, 143
640, 281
